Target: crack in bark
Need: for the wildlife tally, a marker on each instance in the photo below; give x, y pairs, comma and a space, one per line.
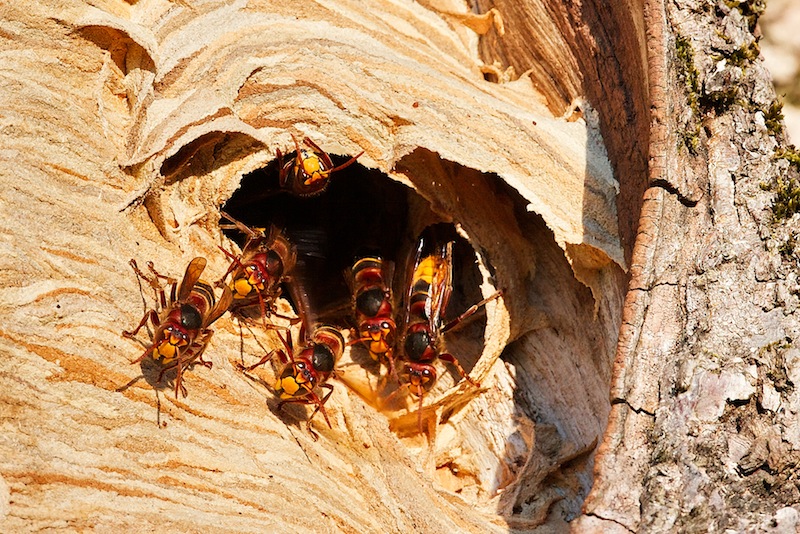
671, 188
654, 286
601, 518
619, 400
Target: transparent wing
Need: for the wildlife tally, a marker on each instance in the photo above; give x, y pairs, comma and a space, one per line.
221, 307
410, 278
192, 275
303, 305
441, 285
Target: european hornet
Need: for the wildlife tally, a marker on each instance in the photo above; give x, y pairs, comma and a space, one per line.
309, 172
182, 322
429, 289
307, 369
370, 281
256, 275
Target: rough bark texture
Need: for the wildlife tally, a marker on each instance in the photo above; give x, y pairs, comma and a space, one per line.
703, 428
125, 127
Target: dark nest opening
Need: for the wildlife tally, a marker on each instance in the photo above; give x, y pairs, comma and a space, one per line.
362, 212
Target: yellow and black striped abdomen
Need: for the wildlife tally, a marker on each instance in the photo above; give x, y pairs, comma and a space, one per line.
424, 276
202, 295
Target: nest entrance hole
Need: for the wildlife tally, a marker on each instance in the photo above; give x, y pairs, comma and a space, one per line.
362, 212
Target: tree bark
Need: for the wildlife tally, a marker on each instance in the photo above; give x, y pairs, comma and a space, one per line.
702, 433
612, 192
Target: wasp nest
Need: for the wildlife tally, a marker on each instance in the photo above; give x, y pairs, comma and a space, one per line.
198, 100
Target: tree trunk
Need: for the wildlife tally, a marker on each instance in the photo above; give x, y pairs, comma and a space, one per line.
702, 433
614, 192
